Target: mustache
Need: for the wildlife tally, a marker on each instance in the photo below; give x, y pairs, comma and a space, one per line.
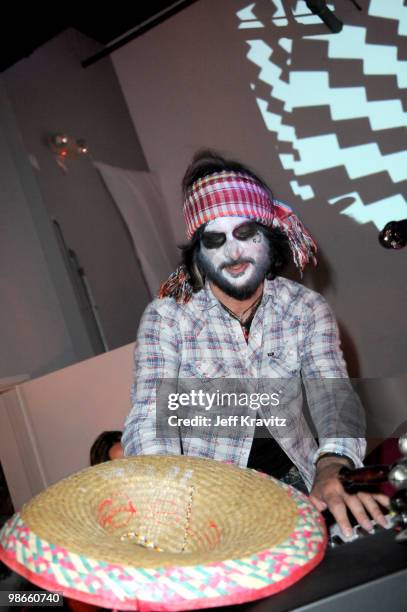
236, 262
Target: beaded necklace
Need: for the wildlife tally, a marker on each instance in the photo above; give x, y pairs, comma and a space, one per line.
247, 316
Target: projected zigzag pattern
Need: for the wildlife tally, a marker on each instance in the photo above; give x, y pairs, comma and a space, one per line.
307, 89
345, 103
390, 9
377, 59
387, 209
249, 19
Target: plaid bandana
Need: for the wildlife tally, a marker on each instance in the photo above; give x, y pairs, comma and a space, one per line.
233, 194
226, 194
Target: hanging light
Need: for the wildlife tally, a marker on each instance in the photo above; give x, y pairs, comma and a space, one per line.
65, 147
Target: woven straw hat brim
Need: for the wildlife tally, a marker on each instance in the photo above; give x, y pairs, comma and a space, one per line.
155, 511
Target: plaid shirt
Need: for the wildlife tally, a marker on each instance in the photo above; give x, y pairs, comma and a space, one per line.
294, 332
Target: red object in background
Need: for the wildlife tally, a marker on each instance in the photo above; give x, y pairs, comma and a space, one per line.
386, 453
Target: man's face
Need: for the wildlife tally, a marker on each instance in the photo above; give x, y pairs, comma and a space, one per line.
234, 254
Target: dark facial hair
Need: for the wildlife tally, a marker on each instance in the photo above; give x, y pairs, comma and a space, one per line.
238, 293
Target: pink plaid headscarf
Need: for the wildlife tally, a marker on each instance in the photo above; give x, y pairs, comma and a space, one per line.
234, 194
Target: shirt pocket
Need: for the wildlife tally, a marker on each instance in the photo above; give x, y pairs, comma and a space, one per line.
281, 374
206, 369
282, 363
207, 376
219, 380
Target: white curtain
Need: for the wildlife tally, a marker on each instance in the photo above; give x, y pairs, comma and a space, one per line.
141, 204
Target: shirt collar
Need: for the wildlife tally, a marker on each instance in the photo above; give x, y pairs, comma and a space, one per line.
207, 301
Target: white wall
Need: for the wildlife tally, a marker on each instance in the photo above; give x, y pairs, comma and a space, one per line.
41, 328
50, 93
48, 425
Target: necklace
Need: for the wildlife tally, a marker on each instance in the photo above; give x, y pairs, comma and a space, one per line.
247, 315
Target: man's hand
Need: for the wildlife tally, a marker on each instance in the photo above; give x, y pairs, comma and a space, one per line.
328, 493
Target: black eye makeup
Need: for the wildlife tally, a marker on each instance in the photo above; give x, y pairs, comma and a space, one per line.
214, 240
245, 231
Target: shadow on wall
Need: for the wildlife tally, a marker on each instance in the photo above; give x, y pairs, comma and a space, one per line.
320, 279
349, 352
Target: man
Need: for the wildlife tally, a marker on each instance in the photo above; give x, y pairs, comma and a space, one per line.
225, 313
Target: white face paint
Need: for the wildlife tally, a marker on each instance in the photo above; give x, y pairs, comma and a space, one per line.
239, 258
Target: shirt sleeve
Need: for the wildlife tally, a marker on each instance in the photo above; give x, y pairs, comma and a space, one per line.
156, 357
335, 408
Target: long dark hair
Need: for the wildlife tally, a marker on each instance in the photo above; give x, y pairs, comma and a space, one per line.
204, 163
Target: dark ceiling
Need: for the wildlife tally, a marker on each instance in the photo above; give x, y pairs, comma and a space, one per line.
20, 37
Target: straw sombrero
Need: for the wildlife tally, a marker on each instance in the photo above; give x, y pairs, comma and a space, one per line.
165, 533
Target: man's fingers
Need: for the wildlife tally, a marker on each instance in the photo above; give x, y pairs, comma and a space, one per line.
357, 508
383, 499
318, 503
338, 508
373, 508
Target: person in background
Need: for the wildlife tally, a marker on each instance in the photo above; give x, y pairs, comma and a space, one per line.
106, 447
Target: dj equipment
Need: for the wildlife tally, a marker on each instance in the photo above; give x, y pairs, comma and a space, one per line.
365, 572
366, 575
